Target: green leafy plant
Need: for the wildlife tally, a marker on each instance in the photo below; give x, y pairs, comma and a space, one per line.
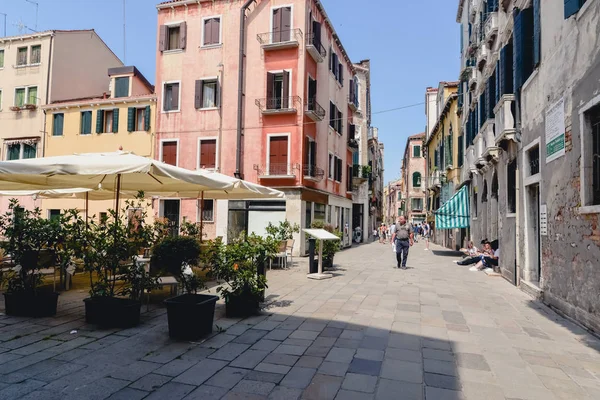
192, 229
283, 231
330, 247
180, 256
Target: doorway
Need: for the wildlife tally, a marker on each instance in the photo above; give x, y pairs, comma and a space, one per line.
533, 234
171, 210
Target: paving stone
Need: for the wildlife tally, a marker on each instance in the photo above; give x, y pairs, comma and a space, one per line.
250, 337
392, 389
435, 393
150, 382
440, 367
347, 343
278, 334
200, 372
436, 344
438, 355
218, 341
254, 387
36, 347
238, 329
403, 341
49, 395
360, 383
175, 367
71, 354
265, 376
369, 354
454, 317
97, 389
331, 332
272, 368
351, 334
333, 368
402, 371
317, 351
282, 359
372, 342
365, 367
128, 394
229, 351
267, 325
264, 344
171, 391
309, 362
285, 393
306, 335
298, 377
135, 371
403, 355
313, 326
322, 387
337, 354
442, 381
17, 390
197, 354
249, 359
472, 361
227, 378
206, 392
351, 395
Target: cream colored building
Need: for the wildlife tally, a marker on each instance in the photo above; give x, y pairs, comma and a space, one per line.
41, 68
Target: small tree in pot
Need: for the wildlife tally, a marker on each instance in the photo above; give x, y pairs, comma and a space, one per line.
191, 314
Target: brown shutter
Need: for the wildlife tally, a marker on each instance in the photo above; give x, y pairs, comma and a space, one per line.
276, 25
208, 152
313, 149
286, 23
278, 155
317, 33
175, 94
306, 151
162, 39
169, 153
312, 90
270, 91
216, 30
341, 74
198, 94
208, 31
182, 35
218, 94
285, 101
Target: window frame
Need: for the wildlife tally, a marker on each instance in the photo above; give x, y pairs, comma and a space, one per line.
62, 133
129, 85
211, 46
420, 180
164, 91
199, 152
49, 213
21, 150
160, 150
290, 85
139, 120
273, 8
586, 173
200, 211
330, 167
215, 80
27, 94
112, 120
412, 200
2, 50
81, 122
289, 152
31, 55
168, 38
414, 148
529, 179
17, 65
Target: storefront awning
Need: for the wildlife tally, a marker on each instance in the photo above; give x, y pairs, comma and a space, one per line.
455, 212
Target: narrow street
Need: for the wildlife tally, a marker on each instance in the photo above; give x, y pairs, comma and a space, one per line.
434, 331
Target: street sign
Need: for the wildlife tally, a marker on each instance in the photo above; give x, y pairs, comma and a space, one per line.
543, 220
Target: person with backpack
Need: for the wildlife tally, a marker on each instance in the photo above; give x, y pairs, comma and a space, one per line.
403, 238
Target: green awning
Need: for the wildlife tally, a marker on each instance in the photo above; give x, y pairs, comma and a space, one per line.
455, 212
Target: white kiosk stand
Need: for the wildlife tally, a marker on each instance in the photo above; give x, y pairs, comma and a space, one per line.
320, 235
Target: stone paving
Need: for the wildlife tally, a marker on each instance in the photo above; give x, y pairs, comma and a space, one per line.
434, 331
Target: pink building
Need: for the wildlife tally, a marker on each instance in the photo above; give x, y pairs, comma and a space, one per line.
287, 125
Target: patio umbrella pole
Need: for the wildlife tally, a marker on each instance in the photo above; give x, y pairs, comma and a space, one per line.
117, 195
87, 203
201, 217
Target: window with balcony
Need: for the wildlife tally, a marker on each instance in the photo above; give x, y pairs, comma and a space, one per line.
22, 56
86, 123
207, 94
206, 211
122, 87
208, 153
416, 178
58, 121
107, 121
171, 97
21, 151
36, 54
278, 155
172, 37
282, 24
311, 158
211, 34
278, 90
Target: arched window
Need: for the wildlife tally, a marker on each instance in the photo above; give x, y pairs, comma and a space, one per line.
417, 179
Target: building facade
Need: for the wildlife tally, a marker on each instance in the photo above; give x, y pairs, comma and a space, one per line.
531, 118
277, 111
122, 119
413, 174
443, 150
38, 69
394, 204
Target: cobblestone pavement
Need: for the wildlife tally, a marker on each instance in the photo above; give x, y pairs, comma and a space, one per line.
434, 331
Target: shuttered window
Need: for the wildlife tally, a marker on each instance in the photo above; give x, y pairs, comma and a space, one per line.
171, 97
506, 70
169, 153
278, 90
491, 95
58, 120
212, 31
172, 37
282, 24
122, 87
208, 153
278, 155
332, 115
416, 178
206, 210
86, 123
416, 151
523, 47
36, 54
330, 167
2, 58
595, 153
22, 56
136, 119
147, 116
537, 33
207, 94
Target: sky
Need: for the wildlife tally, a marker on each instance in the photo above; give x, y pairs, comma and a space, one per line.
411, 45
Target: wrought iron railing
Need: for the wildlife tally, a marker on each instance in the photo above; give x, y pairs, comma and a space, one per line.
276, 169
313, 171
281, 36
315, 41
314, 107
274, 104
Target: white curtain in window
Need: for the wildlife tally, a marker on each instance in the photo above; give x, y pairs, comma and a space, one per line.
208, 95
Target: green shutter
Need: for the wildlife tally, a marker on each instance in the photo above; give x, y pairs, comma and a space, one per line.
57, 128
147, 115
115, 120
450, 152
131, 119
460, 151
99, 121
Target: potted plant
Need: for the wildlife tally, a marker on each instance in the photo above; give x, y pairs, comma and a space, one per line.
190, 315
282, 232
117, 280
330, 247
29, 242
15, 108
240, 266
30, 106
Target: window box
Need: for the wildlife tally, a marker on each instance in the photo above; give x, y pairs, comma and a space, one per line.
30, 107
15, 108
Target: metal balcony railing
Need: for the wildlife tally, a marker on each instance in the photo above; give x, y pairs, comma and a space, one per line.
314, 110
315, 47
280, 39
314, 172
279, 105
352, 143
276, 170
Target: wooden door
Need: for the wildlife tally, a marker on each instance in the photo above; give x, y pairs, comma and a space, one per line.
278, 156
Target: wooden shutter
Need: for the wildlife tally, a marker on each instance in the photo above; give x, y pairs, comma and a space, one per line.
162, 38
330, 59
270, 91
285, 100
497, 83
169, 153
131, 119
316, 26
216, 31
313, 153
572, 7
208, 39
351, 131
351, 94
286, 24
198, 94
115, 127
182, 35
460, 151
335, 68
278, 155
147, 115
218, 94
340, 126
537, 33
312, 89
276, 34
450, 160
99, 121
341, 73
332, 115
208, 153
175, 96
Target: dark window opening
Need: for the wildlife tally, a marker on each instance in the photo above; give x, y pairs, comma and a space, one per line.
511, 183
595, 120
534, 160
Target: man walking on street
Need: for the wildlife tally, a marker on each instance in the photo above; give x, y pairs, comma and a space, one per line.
403, 238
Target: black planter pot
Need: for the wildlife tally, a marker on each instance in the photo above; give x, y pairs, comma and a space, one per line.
327, 263
262, 270
190, 315
31, 305
112, 312
241, 305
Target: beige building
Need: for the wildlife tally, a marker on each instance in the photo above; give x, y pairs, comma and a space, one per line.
40, 68
413, 174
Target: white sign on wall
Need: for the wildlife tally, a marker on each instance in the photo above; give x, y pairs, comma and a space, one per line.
555, 131
543, 220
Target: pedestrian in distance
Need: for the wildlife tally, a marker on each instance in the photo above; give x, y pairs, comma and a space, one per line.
403, 237
426, 234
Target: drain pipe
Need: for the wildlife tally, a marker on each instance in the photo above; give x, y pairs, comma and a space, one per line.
238, 155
